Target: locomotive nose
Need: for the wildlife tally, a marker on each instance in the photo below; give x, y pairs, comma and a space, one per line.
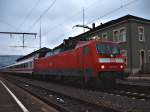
111, 64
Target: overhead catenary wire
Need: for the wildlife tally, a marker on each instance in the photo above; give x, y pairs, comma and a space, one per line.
6, 23
112, 11
22, 23
60, 24
28, 15
67, 19
44, 12
37, 20
108, 13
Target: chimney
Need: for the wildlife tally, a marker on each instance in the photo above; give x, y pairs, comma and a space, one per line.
93, 25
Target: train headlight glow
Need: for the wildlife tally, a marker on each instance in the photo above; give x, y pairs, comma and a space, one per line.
104, 60
119, 60
102, 66
121, 66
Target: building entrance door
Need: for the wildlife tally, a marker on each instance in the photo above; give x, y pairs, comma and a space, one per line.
142, 58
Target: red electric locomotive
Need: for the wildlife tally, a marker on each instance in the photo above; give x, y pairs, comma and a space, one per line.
88, 60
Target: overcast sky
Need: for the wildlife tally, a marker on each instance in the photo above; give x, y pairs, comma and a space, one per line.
57, 22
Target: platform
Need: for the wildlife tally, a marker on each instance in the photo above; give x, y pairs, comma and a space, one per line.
8, 102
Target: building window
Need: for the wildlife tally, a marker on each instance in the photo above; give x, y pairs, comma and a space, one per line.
115, 35
119, 35
122, 34
141, 33
124, 53
104, 36
148, 56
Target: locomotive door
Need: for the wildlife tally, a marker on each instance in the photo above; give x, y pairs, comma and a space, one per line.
86, 61
80, 61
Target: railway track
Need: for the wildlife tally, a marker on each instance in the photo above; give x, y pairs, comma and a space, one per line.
60, 101
130, 94
116, 99
132, 91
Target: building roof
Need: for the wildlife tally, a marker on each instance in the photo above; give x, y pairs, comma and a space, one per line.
39, 51
109, 23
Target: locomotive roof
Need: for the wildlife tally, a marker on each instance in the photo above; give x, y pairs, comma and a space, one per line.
82, 43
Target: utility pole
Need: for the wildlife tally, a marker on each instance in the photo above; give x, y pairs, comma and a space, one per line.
40, 36
83, 20
23, 41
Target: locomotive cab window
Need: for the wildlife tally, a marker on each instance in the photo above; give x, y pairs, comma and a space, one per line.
86, 50
107, 49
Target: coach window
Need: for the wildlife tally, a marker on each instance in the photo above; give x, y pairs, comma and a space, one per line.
85, 50
27, 65
30, 64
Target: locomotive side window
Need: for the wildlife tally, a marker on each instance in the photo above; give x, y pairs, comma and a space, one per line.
86, 50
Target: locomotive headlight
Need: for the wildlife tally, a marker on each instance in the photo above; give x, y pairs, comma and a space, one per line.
121, 66
102, 66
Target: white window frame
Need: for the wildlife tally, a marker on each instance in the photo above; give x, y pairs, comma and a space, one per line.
114, 35
124, 50
123, 40
143, 39
119, 34
104, 38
